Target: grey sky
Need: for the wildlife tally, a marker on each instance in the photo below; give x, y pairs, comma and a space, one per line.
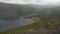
32, 1
5, 0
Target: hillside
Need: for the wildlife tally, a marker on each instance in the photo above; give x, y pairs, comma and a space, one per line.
14, 10
50, 13
46, 27
47, 18
47, 21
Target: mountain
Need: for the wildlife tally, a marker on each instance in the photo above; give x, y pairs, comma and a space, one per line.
48, 17
50, 13
14, 10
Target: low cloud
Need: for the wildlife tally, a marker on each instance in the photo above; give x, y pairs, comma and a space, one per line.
31, 1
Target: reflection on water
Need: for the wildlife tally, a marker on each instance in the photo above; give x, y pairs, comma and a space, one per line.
6, 24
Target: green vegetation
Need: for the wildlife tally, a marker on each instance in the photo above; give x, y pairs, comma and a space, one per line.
26, 27
45, 18
47, 24
23, 28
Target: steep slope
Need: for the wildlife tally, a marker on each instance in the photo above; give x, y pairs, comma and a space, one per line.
50, 13
14, 10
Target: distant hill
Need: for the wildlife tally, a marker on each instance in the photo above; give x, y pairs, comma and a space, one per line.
49, 16
50, 13
14, 10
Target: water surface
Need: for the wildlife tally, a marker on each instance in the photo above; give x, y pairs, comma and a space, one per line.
6, 24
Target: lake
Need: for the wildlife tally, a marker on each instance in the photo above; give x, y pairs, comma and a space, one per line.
6, 24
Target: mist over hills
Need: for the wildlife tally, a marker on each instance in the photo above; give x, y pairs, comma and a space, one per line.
49, 15
16, 10
13, 10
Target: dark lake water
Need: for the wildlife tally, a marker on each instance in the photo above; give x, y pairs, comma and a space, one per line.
6, 24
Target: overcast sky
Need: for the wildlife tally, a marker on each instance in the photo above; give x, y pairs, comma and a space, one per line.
32, 1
